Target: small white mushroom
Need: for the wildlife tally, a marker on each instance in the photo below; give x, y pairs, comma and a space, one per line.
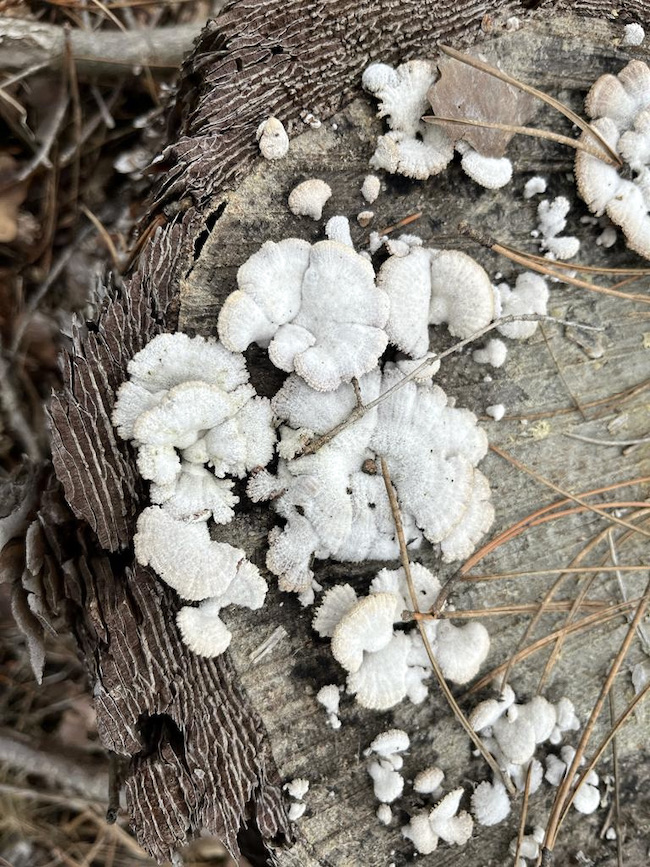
388, 785
367, 627
337, 229
371, 188
384, 814
428, 781
272, 139
493, 353
297, 788
633, 34
534, 186
309, 197
461, 293
496, 411
515, 737
490, 803
487, 712
460, 650
329, 696
530, 295
184, 555
296, 811
364, 218
336, 603
490, 172
390, 742
425, 830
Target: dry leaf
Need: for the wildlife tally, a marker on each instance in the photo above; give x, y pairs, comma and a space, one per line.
467, 93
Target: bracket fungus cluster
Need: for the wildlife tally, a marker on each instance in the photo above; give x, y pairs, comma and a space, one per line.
385, 664
418, 149
334, 502
194, 419
619, 106
316, 307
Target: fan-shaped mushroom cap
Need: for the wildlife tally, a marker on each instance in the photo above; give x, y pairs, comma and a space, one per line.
329, 696
453, 829
371, 188
460, 650
308, 198
428, 780
389, 742
493, 353
620, 105
336, 603
412, 147
394, 581
490, 172
461, 293
530, 295
515, 737
367, 627
202, 629
386, 677
297, 788
272, 138
541, 714
487, 712
321, 311
407, 282
421, 834
476, 521
490, 803
183, 554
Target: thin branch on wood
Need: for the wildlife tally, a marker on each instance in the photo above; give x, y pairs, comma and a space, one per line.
34, 45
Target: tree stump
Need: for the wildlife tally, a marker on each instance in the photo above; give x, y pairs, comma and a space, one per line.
208, 743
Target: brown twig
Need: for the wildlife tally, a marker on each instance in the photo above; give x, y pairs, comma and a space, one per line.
453, 704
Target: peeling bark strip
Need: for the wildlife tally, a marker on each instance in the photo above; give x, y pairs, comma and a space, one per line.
200, 758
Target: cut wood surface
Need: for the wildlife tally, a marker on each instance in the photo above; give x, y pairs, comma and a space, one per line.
210, 742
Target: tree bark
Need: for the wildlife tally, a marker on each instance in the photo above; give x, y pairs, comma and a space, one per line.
210, 741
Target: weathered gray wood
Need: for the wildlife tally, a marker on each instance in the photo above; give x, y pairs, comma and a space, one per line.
283, 57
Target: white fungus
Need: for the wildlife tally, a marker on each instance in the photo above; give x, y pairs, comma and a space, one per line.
384, 814
364, 218
272, 139
389, 742
618, 105
530, 295
316, 308
490, 803
329, 696
493, 353
428, 781
296, 811
534, 186
334, 509
309, 197
490, 172
633, 34
442, 823
551, 218
388, 784
496, 411
411, 147
371, 188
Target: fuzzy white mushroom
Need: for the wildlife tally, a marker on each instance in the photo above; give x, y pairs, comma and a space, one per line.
490, 172
587, 798
493, 353
388, 743
428, 286
186, 404
459, 650
530, 295
384, 814
442, 823
496, 411
308, 198
551, 220
411, 147
620, 108
566, 720
317, 308
184, 556
487, 712
534, 186
272, 139
334, 508
329, 696
366, 628
490, 803
388, 784
633, 34
296, 811
428, 781
335, 605
371, 188
297, 788
425, 583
